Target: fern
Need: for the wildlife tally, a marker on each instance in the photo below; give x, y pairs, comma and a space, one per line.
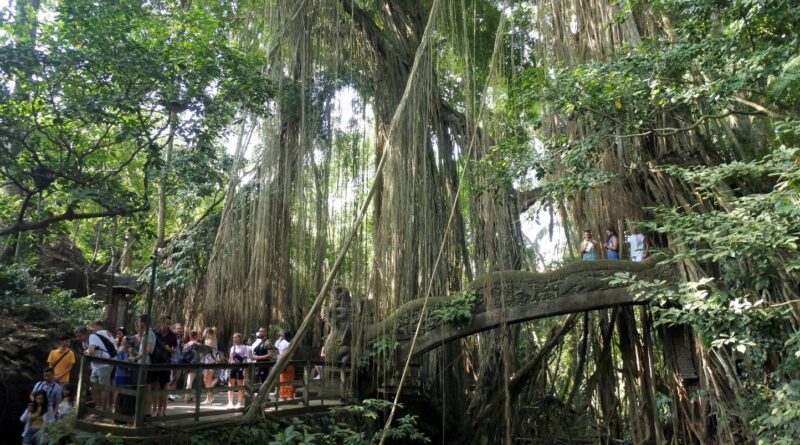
787, 84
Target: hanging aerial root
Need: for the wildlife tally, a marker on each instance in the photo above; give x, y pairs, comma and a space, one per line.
523, 376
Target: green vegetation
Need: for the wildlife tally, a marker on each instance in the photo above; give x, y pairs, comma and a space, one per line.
346, 425
241, 139
18, 297
459, 309
92, 106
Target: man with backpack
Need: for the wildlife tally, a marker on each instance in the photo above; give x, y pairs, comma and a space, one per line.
99, 343
262, 352
50, 386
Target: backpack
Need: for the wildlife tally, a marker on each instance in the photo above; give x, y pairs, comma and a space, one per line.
160, 354
38, 387
263, 348
110, 349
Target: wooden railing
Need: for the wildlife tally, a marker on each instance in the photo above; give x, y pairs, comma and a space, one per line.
332, 386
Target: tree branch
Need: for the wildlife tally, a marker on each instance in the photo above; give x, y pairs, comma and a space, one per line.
670, 131
528, 198
68, 215
758, 107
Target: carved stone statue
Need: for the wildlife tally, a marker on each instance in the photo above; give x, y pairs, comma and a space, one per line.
338, 317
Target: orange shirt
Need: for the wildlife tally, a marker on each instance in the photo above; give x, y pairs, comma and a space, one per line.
63, 364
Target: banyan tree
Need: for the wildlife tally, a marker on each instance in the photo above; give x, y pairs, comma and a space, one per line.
466, 115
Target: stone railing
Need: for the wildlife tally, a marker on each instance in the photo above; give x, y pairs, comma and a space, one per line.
513, 297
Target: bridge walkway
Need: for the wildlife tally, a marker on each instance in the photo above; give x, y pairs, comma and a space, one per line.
127, 419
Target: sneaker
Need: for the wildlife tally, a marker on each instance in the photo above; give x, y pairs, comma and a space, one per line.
317, 377
237, 406
229, 405
171, 398
207, 402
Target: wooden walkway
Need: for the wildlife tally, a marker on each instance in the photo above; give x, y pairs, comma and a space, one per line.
180, 418
128, 419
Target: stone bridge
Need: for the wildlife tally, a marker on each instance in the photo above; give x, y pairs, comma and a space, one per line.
513, 297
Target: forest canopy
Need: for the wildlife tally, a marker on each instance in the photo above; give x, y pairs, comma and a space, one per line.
243, 138
92, 99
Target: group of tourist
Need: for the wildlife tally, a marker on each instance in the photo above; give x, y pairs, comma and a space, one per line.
590, 249
170, 337
52, 397
164, 343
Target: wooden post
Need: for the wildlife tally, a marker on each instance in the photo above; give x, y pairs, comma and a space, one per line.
198, 392
251, 375
141, 382
141, 388
277, 394
306, 372
81, 398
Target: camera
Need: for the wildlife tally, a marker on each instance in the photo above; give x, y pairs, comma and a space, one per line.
238, 358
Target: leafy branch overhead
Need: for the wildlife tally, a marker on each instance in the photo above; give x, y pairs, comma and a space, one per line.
85, 112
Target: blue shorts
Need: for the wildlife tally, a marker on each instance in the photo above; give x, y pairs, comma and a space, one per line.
613, 254
122, 380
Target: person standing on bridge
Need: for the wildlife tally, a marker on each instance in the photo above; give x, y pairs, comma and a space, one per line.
98, 343
239, 354
190, 376
262, 352
286, 390
169, 340
589, 247
210, 376
147, 343
638, 243
612, 244
177, 375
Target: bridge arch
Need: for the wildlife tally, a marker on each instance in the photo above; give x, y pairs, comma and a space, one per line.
514, 297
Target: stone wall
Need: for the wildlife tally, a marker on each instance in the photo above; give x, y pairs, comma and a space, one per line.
27, 335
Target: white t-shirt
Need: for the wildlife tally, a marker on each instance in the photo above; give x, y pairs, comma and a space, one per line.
151, 344
282, 345
63, 408
100, 347
636, 241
